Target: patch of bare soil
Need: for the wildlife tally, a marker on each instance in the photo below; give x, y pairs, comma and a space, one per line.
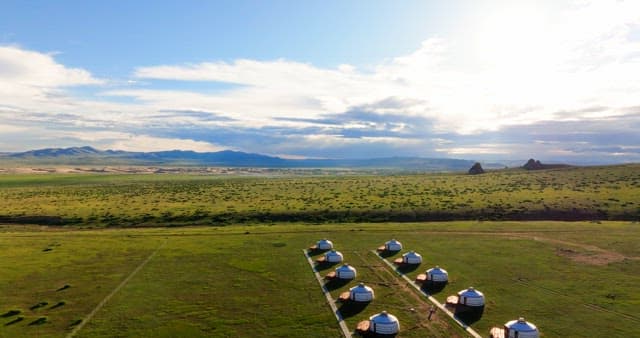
590, 257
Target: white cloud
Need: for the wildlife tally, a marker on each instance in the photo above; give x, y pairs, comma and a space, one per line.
145, 143
519, 66
28, 68
7, 128
150, 143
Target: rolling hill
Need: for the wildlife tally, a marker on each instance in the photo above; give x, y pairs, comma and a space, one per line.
227, 158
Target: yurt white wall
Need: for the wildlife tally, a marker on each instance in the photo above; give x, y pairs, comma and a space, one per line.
384, 323
324, 244
412, 257
437, 274
393, 245
333, 256
520, 328
346, 272
361, 293
471, 297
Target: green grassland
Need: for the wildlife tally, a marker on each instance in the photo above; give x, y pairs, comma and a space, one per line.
67, 241
588, 193
250, 281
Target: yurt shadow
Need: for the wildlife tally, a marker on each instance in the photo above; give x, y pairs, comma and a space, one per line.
370, 334
336, 283
321, 266
433, 288
469, 315
350, 308
316, 252
387, 253
406, 268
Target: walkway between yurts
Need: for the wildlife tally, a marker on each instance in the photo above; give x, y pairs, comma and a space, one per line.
432, 300
393, 295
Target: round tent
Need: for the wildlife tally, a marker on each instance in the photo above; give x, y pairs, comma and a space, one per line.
520, 329
346, 271
412, 257
384, 323
393, 245
437, 274
324, 244
361, 293
471, 297
333, 256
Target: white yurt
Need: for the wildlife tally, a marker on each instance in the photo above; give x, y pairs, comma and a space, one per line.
393, 245
384, 323
412, 257
333, 256
520, 329
361, 293
346, 271
471, 297
437, 275
324, 244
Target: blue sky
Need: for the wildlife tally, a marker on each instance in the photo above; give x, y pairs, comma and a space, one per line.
486, 80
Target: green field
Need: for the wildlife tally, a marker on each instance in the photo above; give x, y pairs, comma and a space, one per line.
110, 200
254, 280
153, 255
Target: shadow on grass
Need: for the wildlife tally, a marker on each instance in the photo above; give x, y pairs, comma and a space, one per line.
469, 315
406, 268
336, 283
350, 308
387, 253
10, 313
38, 321
433, 288
39, 305
324, 266
315, 252
370, 334
64, 287
17, 320
75, 322
58, 305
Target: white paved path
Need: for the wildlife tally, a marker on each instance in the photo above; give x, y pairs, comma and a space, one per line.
332, 303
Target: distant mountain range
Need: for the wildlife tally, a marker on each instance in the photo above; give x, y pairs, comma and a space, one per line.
227, 158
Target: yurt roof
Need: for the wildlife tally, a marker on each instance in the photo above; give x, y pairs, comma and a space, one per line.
361, 288
471, 293
383, 318
333, 253
324, 240
521, 325
411, 254
346, 267
393, 241
437, 271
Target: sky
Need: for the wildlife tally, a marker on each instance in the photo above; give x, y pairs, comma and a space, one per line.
556, 80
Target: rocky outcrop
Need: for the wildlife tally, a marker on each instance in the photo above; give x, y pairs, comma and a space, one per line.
537, 165
476, 169
533, 165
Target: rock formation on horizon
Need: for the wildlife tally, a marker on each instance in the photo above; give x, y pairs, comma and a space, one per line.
537, 165
476, 169
533, 165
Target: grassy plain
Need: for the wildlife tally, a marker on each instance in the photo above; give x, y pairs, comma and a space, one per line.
251, 279
146, 200
254, 281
